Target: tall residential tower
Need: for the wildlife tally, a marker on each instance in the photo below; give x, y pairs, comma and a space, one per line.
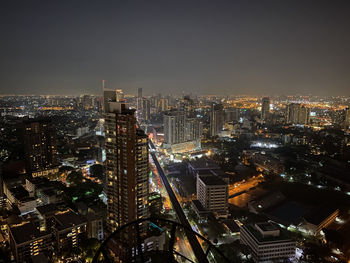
127, 166
265, 108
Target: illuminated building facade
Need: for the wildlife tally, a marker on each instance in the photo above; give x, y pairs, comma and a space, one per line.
40, 146
174, 127
297, 114
127, 165
217, 116
265, 108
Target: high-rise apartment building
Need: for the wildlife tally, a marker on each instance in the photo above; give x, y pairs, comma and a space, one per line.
143, 109
39, 139
163, 104
217, 116
139, 92
120, 95
297, 114
231, 115
174, 127
265, 108
127, 165
341, 118
193, 129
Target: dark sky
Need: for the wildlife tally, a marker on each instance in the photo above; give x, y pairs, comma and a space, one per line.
204, 47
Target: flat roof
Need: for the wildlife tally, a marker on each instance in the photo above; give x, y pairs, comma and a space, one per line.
67, 219
203, 163
267, 226
26, 232
212, 180
283, 236
47, 209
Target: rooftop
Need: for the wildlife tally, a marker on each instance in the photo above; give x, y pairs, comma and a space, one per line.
26, 232
212, 180
267, 226
48, 209
67, 219
203, 163
283, 235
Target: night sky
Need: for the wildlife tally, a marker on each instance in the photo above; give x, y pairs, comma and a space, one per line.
204, 47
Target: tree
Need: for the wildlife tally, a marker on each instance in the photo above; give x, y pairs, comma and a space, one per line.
97, 170
75, 178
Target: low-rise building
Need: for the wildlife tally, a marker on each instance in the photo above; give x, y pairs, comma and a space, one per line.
268, 242
212, 192
69, 229
26, 240
94, 226
18, 196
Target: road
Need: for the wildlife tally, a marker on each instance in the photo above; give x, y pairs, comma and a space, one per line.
196, 247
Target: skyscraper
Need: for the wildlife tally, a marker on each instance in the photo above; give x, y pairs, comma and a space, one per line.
217, 115
39, 139
341, 118
193, 129
163, 104
297, 114
119, 95
127, 165
139, 92
174, 127
265, 108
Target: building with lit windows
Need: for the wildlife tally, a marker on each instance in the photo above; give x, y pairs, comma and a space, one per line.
39, 137
268, 242
217, 116
26, 240
174, 127
127, 165
297, 114
265, 108
69, 229
212, 193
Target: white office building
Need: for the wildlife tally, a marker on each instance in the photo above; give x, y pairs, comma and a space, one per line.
268, 242
212, 192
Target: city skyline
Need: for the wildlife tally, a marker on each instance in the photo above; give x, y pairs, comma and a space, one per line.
222, 48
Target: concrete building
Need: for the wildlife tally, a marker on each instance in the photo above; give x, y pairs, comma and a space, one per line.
127, 165
193, 129
268, 242
18, 196
212, 193
94, 226
217, 116
231, 115
265, 108
163, 104
174, 127
26, 240
69, 229
297, 114
181, 133
39, 138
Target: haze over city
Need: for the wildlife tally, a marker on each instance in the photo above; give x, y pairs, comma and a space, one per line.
203, 47
174, 131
